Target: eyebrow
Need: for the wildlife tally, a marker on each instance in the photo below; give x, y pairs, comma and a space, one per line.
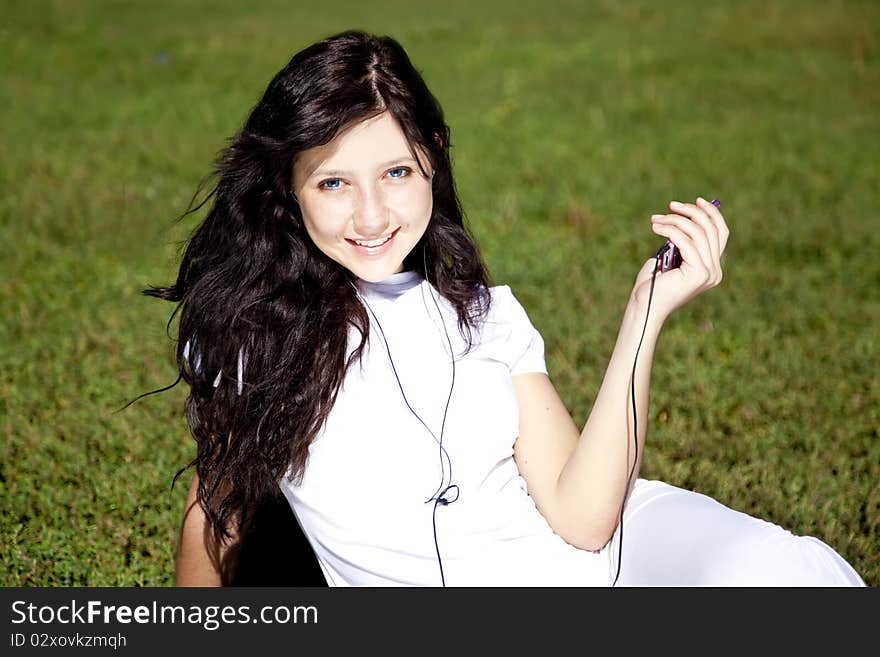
338, 172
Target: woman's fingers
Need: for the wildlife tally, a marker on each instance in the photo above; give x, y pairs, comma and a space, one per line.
670, 226
699, 216
705, 225
700, 233
718, 220
694, 232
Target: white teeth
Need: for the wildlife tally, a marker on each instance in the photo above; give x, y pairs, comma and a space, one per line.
373, 242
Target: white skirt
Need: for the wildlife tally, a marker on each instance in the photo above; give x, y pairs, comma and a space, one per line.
675, 537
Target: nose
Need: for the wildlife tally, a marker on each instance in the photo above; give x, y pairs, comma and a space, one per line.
371, 215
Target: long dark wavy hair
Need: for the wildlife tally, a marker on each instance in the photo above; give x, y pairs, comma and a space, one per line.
252, 282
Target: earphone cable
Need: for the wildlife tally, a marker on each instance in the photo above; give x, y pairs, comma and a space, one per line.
439, 496
635, 418
448, 398
405, 400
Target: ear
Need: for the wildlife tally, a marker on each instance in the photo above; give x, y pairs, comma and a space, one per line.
438, 139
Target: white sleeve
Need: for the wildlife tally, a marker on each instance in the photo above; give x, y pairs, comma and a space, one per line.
525, 344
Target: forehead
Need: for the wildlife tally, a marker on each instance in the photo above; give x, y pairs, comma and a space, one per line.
362, 146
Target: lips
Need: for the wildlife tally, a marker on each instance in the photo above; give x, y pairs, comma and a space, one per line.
381, 247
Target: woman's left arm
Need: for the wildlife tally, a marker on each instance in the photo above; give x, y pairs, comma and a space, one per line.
578, 481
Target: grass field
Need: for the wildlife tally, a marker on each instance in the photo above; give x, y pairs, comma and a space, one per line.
571, 126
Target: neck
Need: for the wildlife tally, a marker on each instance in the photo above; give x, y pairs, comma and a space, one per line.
391, 286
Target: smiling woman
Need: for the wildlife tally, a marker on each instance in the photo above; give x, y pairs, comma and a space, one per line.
361, 209
446, 456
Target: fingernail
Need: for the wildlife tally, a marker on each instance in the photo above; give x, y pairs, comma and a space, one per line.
676, 204
655, 217
700, 198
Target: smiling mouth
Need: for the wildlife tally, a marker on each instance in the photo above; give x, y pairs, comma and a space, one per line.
372, 244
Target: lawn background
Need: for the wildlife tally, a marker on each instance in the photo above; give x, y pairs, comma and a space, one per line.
572, 123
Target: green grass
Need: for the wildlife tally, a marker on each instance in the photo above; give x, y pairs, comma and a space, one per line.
570, 128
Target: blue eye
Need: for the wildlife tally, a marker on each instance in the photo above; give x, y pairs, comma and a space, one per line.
330, 183
399, 172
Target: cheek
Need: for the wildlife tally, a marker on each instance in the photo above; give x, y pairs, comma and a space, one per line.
414, 203
322, 220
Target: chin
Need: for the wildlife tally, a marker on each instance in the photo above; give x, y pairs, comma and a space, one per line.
374, 273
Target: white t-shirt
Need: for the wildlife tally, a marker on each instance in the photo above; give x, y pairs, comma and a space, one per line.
365, 500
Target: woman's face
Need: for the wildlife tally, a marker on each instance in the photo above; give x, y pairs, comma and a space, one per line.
364, 200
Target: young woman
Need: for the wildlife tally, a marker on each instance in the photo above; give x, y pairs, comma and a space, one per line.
342, 342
